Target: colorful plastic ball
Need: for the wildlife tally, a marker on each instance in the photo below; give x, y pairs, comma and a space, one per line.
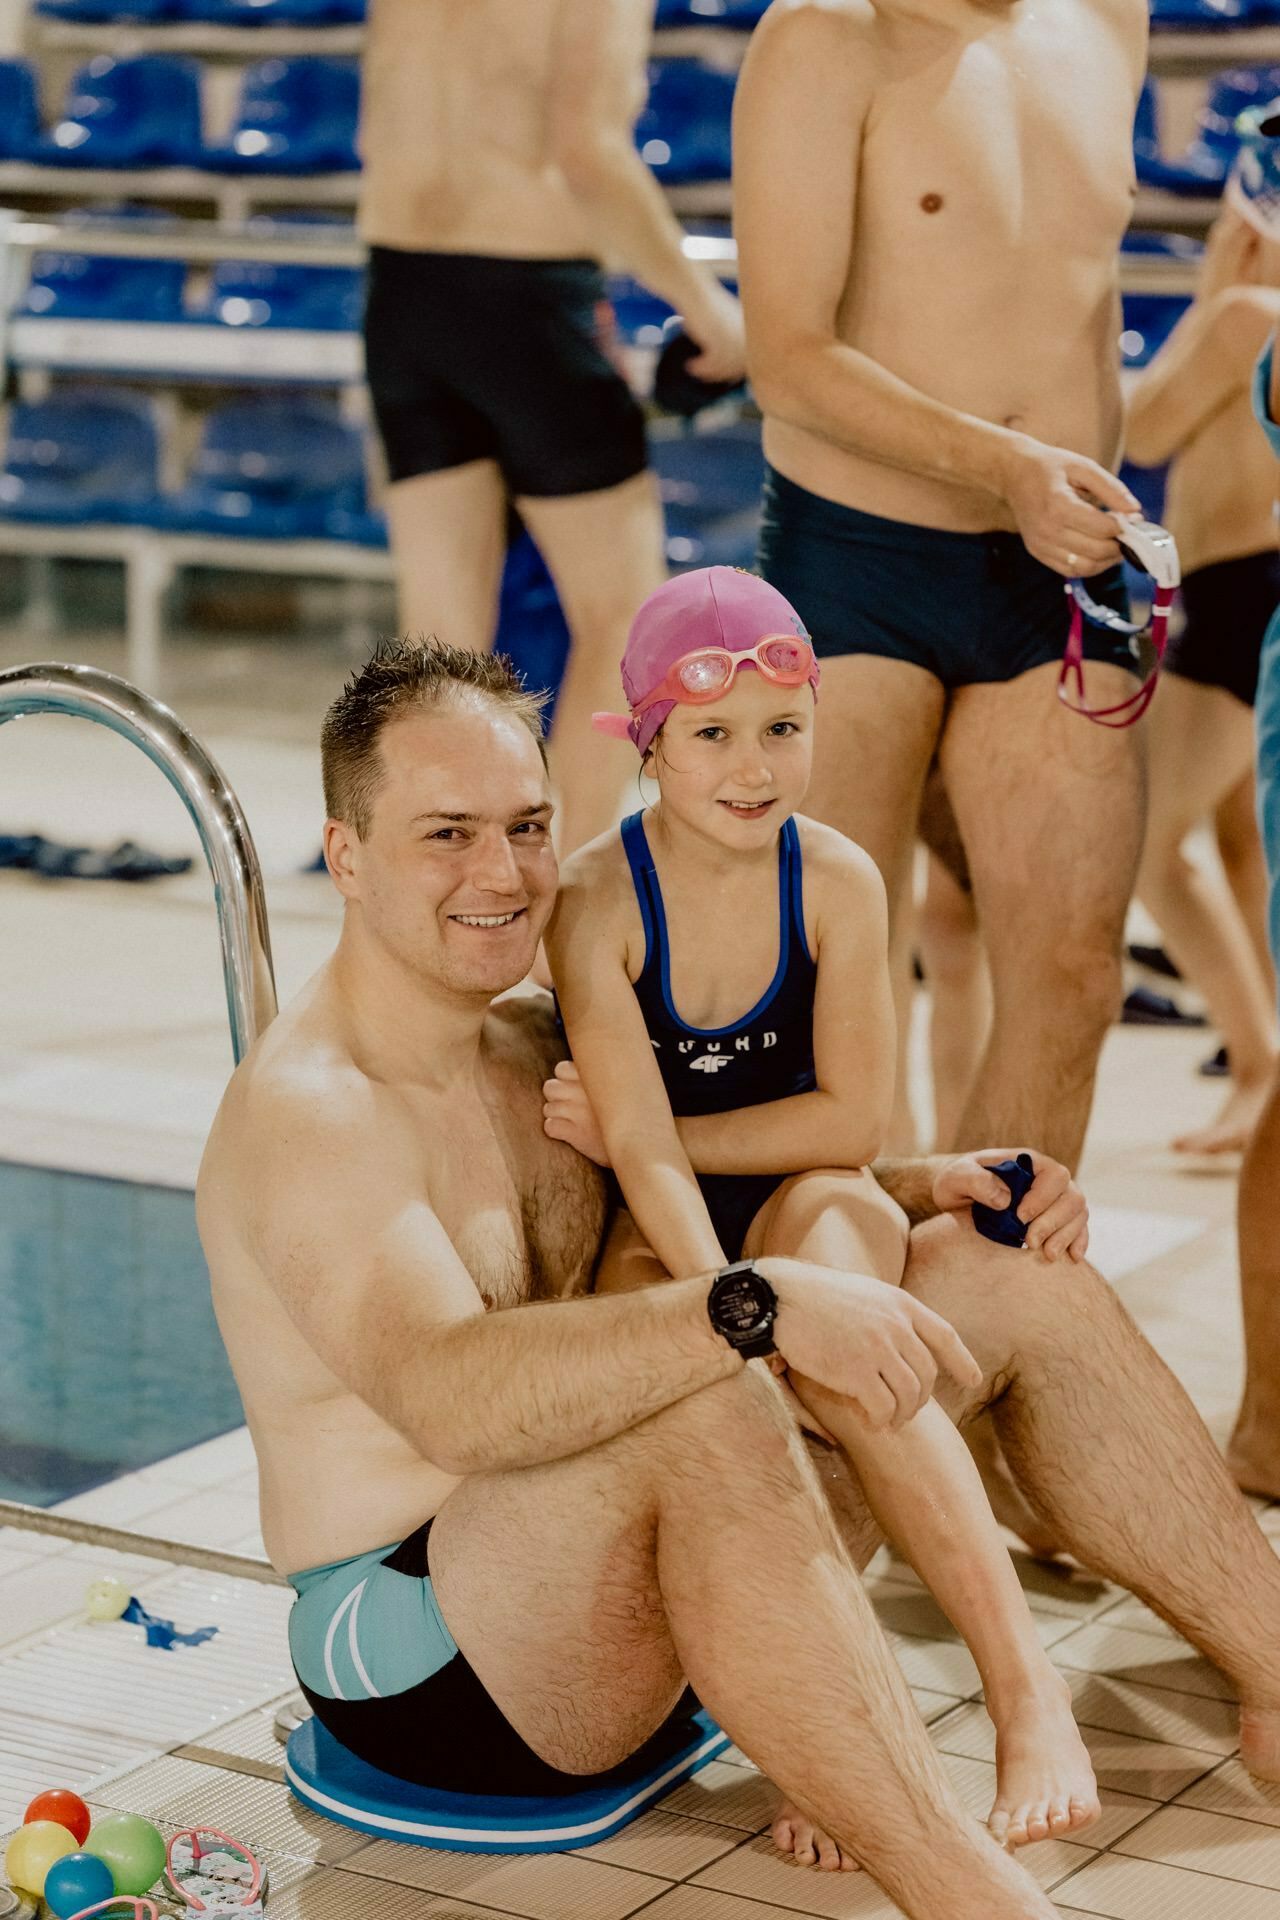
33, 1850
131, 1848
67, 1808
77, 1881
106, 1599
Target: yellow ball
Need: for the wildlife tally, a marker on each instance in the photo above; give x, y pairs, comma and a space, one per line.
33, 1850
106, 1599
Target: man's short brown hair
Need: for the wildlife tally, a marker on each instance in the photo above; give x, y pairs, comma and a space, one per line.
399, 676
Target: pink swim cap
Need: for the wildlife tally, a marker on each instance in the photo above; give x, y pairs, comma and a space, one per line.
709, 607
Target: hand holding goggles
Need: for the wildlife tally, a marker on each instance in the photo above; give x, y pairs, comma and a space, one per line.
1153, 549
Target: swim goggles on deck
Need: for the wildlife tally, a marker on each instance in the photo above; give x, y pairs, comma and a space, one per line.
214, 1874
1152, 549
705, 674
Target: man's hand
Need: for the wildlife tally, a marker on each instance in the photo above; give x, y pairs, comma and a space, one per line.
718, 329
1053, 1210
1058, 500
567, 1114
862, 1338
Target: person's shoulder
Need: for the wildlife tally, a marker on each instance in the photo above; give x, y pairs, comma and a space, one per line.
817, 33
596, 879
841, 871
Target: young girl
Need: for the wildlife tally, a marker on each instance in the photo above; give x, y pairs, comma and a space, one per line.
723, 976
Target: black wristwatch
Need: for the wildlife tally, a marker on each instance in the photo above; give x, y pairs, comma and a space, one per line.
742, 1306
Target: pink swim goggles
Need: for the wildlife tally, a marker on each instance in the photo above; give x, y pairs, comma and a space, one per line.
707, 672
1153, 549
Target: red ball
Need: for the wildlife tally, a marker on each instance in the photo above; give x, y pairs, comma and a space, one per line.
67, 1808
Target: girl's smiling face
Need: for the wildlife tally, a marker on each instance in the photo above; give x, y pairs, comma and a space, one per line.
737, 767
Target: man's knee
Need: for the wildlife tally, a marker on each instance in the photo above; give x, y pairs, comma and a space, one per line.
1006, 1303
1076, 987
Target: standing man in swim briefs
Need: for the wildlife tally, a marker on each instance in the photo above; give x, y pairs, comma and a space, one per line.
615, 1501
499, 171
929, 199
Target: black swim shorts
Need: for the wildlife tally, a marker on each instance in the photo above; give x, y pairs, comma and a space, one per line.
442, 1731
476, 358
967, 607
1227, 608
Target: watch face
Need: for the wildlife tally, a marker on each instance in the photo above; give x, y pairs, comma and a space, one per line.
740, 1303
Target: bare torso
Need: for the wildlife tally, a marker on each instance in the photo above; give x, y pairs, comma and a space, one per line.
995, 182
1221, 488
523, 1212
454, 131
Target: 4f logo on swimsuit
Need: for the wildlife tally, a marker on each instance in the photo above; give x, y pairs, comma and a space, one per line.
711, 1062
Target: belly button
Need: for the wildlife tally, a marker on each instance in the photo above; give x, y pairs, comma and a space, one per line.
931, 203
1013, 420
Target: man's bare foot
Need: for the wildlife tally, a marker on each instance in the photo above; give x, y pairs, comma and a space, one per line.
1233, 1128
1045, 1786
794, 1833
1254, 1464
1260, 1741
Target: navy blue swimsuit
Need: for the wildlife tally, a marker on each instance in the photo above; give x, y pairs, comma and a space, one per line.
767, 1055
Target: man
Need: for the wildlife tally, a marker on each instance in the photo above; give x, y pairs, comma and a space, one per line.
929, 196
617, 1502
499, 169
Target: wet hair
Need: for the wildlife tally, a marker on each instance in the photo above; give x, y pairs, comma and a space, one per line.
402, 676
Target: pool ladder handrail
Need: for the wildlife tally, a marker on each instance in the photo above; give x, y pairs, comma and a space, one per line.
85, 693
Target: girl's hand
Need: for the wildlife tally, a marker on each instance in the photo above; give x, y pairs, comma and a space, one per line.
1054, 1211
568, 1115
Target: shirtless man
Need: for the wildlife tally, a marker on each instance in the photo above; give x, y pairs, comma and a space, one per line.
617, 1502
1192, 406
929, 198
499, 170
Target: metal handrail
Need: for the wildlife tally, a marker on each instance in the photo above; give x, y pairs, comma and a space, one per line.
218, 816
228, 846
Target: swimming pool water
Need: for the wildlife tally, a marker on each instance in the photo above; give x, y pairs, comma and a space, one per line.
110, 1357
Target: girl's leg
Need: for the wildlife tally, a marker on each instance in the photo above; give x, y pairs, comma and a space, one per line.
925, 1492
1201, 748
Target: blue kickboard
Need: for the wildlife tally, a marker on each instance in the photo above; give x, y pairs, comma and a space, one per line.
334, 1782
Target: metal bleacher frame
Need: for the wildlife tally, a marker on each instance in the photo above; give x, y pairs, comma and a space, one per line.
151, 558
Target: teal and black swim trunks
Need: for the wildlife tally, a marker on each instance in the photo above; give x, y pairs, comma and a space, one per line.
383, 1673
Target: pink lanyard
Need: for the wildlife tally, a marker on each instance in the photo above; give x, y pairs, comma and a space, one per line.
1125, 712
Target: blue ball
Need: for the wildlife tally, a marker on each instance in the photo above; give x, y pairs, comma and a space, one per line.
77, 1881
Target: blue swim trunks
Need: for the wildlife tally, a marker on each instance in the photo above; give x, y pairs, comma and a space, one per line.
966, 607
381, 1670
1268, 703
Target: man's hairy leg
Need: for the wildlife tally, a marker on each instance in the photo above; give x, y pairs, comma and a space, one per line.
926, 1493
583, 1591
1051, 809
1111, 1451
448, 541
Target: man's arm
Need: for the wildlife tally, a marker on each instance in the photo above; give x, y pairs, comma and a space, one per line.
598, 88
803, 97
336, 1218
843, 1122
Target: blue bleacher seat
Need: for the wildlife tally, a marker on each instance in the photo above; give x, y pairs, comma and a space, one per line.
19, 113
1149, 319
532, 630
683, 132
294, 116
86, 456
709, 13
273, 469
142, 112
273, 13
109, 12
85, 286
253, 293
640, 315
1204, 167
710, 484
1179, 16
